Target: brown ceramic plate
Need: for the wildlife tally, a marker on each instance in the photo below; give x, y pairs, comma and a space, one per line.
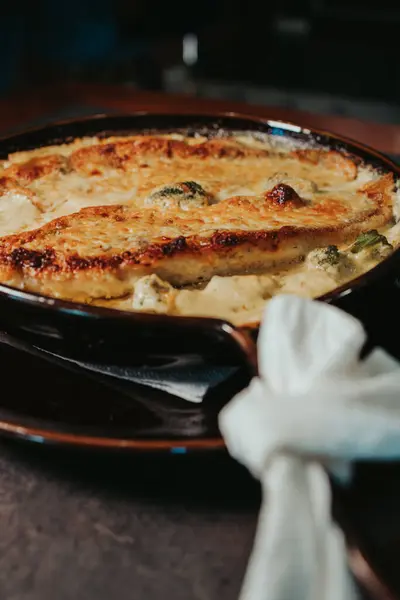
48, 400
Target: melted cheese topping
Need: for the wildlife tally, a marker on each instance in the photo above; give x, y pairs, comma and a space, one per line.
41, 185
61, 192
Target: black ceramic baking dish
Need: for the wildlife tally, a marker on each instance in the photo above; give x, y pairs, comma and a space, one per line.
88, 332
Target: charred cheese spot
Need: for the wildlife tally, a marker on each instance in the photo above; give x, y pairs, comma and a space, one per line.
305, 188
284, 195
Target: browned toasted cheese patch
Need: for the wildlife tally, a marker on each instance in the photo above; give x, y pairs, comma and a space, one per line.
26, 172
331, 159
122, 154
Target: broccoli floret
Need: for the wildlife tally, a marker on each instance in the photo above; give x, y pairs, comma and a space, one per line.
185, 195
369, 239
331, 255
337, 264
324, 256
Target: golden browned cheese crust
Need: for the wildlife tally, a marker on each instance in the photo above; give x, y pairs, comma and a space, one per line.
332, 160
25, 173
122, 154
62, 180
101, 251
160, 159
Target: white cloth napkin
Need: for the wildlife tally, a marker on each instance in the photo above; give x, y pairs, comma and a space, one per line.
314, 407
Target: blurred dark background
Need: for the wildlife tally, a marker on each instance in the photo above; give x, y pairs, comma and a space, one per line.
327, 56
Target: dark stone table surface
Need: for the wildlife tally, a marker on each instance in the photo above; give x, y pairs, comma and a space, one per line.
96, 526
79, 524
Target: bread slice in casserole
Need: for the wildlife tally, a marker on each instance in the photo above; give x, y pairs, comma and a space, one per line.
101, 251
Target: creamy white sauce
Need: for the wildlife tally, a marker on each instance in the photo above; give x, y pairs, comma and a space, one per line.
17, 212
237, 298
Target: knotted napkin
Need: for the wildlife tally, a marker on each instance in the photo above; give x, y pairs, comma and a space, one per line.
314, 408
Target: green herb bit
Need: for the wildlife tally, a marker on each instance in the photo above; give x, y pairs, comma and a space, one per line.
331, 255
368, 239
